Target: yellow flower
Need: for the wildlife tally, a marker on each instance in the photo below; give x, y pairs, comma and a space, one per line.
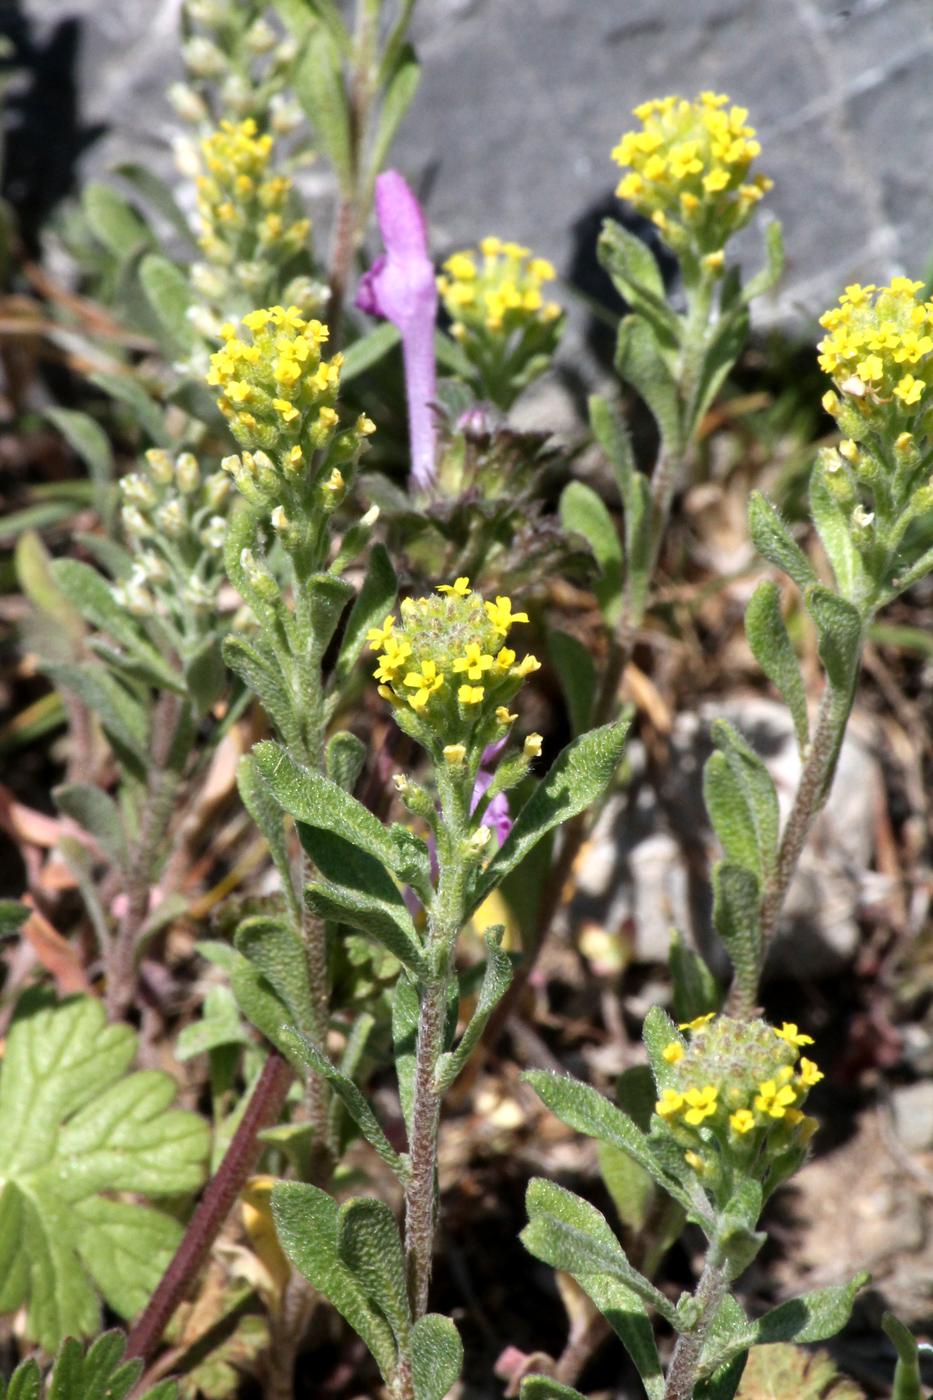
500, 295
809, 1072
395, 657
532, 746
378, 636
424, 683
909, 390
454, 754
743, 1121
790, 1033
503, 716
470, 694
501, 616
505, 658
528, 664
772, 1100
673, 1052
474, 663
460, 588
697, 1023
701, 1103
669, 1104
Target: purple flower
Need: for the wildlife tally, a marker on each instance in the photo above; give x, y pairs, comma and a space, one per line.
400, 286
496, 814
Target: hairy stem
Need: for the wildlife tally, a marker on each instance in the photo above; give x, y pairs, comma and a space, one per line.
682, 1374
420, 1192
213, 1208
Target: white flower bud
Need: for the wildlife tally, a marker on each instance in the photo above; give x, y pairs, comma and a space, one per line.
187, 473
238, 95
207, 281
171, 518
160, 465
203, 58
135, 523
187, 157
216, 489
137, 491
260, 37
188, 104
214, 533
285, 116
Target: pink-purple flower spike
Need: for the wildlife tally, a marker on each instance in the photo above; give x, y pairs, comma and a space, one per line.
400, 286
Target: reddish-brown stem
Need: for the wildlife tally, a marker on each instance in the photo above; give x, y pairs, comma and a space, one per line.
213, 1208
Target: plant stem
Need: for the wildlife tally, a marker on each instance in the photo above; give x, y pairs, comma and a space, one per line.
420, 1192
213, 1208
682, 1375
812, 791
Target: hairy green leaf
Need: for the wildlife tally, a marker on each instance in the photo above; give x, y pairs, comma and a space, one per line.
637, 277
374, 601
91, 595
397, 98
774, 652
736, 917
306, 1221
73, 1126
319, 87
97, 813
639, 362
543, 1388
840, 627
368, 1243
496, 979
582, 512
742, 802
114, 222
168, 293
436, 1356
579, 775
694, 987
576, 672
907, 1379
773, 541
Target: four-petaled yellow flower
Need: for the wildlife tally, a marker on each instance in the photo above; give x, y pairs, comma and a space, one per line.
701, 1103
501, 616
424, 683
809, 1072
742, 1121
790, 1033
774, 1101
379, 636
460, 588
673, 1052
474, 663
669, 1104
470, 694
394, 657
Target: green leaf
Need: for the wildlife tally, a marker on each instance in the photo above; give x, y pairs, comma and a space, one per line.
114, 222
89, 441
568, 1233
12, 916
356, 890
259, 671
327, 597
724, 1383
97, 813
260, 1004
582, 512
205, 675
496, 979
576, 672
764, 280
321, 805
725, 347
615, 440
657, 1032
146, 412
35, 578
100, 1374
736, 918
276, 951
25, 1382
436, 1356
368, 1243
318, 83
397, 98
840, 627
638, 280
91, 594
301, 15
369, 350
306, 1221
579, 775
268, 816
638, 360
74, 1124
772, 649
168, 292
835, 530
375, 600
811, 1318
587, 1111
120, 713
543, 1388
773, 541
907, 1379
157, 194
694, 987
346, 758
742, 802
351, 1097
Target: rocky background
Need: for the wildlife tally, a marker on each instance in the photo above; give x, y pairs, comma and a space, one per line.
522, 100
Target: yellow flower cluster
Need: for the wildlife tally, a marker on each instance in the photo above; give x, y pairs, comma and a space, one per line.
240, 198
878, 348
275, 388
497, 288
741, 1080
689, 169
446, 658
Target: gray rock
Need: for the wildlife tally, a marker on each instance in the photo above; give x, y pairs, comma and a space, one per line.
520, 105
912, 1107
